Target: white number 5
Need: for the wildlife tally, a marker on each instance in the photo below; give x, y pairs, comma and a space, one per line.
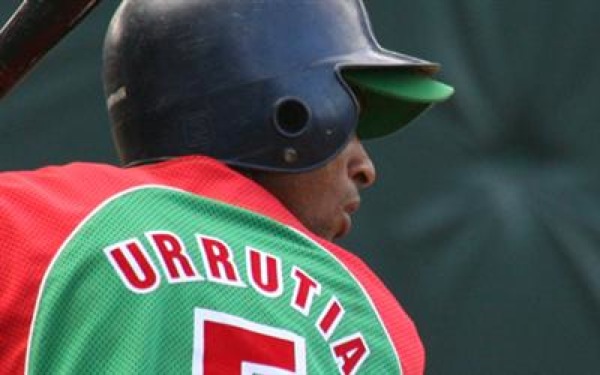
229, 345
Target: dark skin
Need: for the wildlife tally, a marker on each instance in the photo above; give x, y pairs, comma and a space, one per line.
325, 198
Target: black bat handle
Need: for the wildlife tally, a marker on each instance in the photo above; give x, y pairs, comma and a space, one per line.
35, 27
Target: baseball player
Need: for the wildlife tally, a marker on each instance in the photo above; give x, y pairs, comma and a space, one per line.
240, 126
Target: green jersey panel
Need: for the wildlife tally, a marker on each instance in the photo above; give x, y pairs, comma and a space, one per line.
160, 281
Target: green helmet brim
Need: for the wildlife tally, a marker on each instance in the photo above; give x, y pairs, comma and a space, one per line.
391, 98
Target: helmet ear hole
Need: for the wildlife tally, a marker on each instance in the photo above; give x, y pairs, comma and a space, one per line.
291, 117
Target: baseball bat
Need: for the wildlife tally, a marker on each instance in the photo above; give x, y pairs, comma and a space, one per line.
32, 31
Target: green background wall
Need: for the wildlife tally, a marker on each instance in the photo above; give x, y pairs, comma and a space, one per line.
485, 220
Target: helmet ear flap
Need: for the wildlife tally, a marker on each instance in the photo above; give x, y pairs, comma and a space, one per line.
291, 116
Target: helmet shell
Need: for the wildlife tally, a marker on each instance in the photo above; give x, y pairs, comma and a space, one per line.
255, 84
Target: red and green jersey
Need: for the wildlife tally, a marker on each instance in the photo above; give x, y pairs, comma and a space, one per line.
183, 267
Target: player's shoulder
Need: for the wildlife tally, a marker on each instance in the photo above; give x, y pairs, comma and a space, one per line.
54, 199
52, 177
82, 183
